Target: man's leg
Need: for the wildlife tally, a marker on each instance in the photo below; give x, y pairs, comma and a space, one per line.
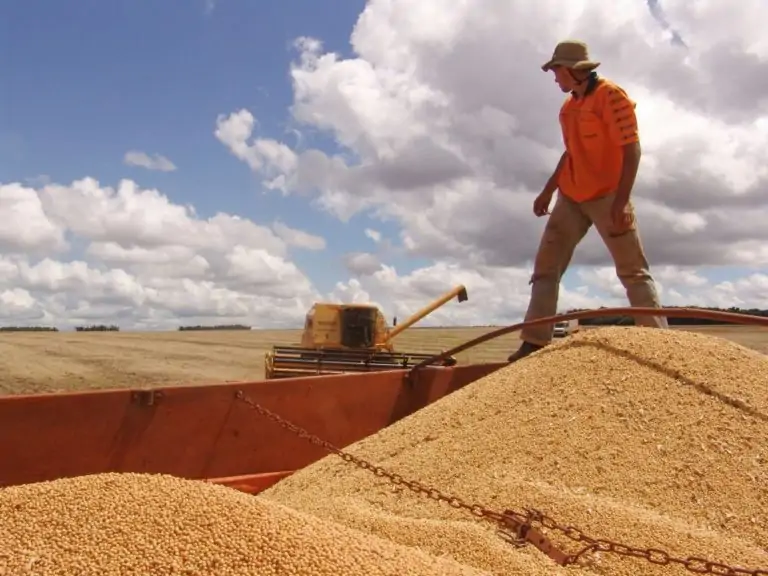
632, 267
565, 228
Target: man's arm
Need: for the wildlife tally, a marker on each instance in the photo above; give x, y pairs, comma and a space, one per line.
551, 184
619, 115
629, 167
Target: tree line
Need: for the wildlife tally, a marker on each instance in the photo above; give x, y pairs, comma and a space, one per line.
98, 328
115, 328
216, 327
91, 328
630, 321
28, 329
604, 321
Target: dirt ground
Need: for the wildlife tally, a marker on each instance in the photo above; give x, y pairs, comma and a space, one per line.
51, 362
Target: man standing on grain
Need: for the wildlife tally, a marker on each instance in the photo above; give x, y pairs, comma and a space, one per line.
594, 177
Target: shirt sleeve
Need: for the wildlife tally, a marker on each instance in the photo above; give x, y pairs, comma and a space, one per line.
619, 115
564, 110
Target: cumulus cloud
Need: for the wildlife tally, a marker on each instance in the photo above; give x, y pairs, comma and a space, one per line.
298, 238
496, 295
262, 155
499, 295
362, 263
687, 287
227, 269
26, 228
447, 125
446, 129
144, 160
146, 262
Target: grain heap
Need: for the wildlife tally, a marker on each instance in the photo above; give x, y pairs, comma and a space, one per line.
119, 524
651, 438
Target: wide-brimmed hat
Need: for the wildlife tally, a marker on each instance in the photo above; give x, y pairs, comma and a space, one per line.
571, 54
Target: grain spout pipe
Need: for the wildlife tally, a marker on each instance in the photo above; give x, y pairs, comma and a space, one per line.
730, 317
459, 292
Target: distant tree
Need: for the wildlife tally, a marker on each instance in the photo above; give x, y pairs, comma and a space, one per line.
216, 327
629, 321
98, 328
28, 329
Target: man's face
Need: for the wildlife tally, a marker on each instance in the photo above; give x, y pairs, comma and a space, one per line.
564, 79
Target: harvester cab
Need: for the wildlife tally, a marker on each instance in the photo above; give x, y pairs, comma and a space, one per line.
339, 338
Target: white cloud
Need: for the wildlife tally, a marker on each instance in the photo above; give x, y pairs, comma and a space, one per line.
298, 238
144, 160
26, 228
18, 303
374, 235
362, 263
147, 262
265, 155
499, 296
448, 127
686, 287
496, 295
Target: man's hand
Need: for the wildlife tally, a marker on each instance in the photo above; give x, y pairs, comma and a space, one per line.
621, 215
542, 202
621, 212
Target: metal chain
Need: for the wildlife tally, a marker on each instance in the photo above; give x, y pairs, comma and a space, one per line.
653, 555
396, 479
519, 523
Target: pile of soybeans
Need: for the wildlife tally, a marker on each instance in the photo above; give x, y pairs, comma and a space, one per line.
651, 438
155, 525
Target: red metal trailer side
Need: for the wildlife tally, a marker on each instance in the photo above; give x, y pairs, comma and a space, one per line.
205, 432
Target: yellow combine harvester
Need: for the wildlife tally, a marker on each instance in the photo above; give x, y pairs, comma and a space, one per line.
340, 338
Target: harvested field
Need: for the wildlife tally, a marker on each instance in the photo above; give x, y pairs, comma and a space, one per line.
47, 362
650, 438
35, 362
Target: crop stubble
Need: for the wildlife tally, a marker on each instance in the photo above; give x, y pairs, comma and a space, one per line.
65, 361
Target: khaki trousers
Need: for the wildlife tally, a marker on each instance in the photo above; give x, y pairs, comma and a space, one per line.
568, 223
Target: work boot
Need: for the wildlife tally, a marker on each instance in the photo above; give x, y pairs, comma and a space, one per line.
525, 349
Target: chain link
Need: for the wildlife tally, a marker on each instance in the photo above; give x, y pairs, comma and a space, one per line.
653, 555
518, 522
394, 478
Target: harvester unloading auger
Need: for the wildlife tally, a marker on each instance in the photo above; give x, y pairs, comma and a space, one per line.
341, 338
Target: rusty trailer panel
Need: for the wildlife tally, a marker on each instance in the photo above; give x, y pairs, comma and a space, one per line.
204, 432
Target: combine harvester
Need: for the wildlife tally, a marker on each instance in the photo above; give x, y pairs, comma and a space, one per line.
341, 338
246, 435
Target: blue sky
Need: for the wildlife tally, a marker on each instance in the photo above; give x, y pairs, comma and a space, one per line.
90, 80
86, 81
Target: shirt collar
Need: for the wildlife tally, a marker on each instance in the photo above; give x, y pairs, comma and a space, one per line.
592, 82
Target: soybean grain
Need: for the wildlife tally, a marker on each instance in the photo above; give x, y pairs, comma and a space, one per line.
132, 524
654, 438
